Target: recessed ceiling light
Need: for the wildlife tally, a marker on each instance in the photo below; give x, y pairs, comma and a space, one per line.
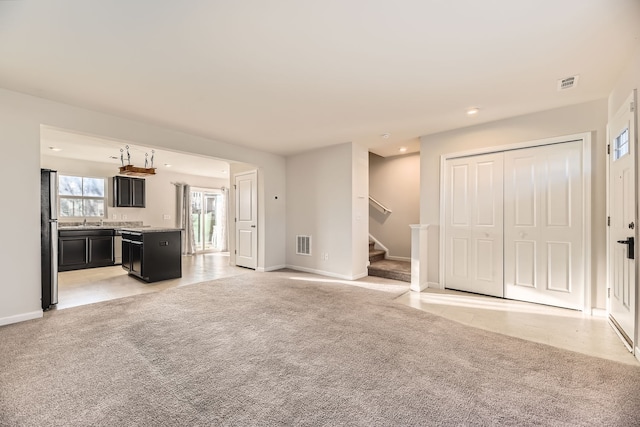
473, 111
55, 149
167, 165
402, 149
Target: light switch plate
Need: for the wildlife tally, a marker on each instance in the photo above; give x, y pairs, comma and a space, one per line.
166, 216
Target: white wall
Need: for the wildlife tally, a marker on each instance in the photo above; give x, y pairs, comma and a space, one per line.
587, 117
628, 80
359, 206
160, 192
320, 203
20, 119
394, 182
20, 219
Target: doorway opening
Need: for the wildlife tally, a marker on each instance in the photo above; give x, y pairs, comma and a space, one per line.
83, 155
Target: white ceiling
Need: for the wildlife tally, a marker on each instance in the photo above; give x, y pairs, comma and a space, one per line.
286, 76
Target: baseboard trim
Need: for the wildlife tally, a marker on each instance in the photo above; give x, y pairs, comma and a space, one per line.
325, 273
20, 317
360, 276
272, 268
377, 242
434, 285
276, 267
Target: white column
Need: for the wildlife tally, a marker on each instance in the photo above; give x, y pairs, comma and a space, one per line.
419, 259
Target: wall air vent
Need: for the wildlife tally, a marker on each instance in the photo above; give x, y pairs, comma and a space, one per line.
303, 245
567, 83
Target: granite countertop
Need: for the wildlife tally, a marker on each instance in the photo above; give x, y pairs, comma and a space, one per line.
135, 226
113, 225
98, 227
147, 229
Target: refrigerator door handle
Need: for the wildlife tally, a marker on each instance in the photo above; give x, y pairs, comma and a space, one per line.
53, 195
54, 262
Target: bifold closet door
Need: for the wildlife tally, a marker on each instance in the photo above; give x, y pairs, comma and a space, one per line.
543, 222
473, 224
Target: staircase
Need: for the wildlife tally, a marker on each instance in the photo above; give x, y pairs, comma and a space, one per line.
379, 266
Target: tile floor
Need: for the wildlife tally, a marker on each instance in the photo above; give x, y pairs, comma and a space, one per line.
80, 287
563, 328
567, 329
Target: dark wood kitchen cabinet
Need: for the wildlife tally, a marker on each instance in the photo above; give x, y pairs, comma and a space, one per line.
100, 250
79, 249
128, 192
72, 253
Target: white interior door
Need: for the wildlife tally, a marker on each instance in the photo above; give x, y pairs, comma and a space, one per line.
622, 206
473, 229
543, 225
246, 219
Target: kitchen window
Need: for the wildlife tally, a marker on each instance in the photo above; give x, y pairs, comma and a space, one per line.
81, 196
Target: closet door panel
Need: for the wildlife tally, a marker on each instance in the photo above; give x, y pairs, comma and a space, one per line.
473, 224
543, 225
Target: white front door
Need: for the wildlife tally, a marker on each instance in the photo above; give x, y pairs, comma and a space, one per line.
543, 225
246, 219
473, 230
622, 206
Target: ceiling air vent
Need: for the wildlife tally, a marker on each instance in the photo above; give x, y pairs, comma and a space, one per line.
567, 83
303, 245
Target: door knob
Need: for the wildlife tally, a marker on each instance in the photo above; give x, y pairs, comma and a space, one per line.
632, 225
253, 226
630, 242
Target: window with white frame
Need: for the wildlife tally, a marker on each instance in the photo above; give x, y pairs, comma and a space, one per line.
621, 145
81, 196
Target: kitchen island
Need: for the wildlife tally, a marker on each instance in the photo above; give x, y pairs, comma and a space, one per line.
152, 253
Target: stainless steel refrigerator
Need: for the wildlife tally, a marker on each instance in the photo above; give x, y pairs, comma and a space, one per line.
49, 232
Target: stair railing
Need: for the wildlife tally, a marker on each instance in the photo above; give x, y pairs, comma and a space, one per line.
383, 207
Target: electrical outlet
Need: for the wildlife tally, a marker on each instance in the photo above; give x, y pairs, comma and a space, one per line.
326, 256
166, 216
123, 216
114, 216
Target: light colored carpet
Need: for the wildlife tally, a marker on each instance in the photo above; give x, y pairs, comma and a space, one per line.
263, 349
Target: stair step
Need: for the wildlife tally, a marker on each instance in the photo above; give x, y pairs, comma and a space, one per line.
391, 269
376, 255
